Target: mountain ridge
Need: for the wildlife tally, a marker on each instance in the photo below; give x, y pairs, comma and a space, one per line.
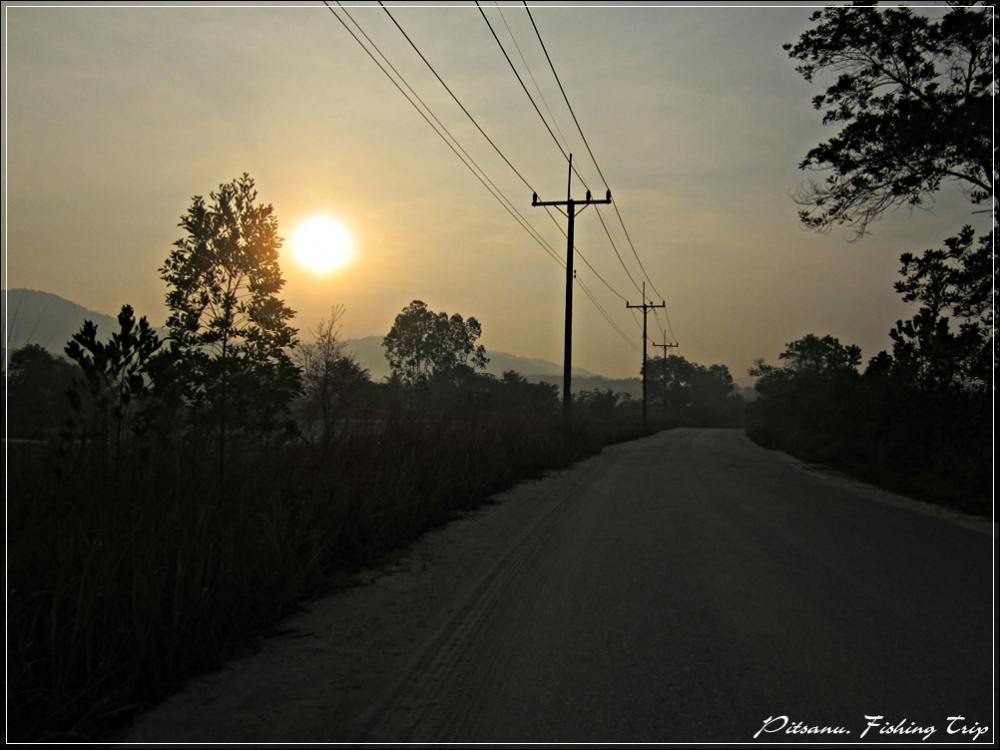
49, 320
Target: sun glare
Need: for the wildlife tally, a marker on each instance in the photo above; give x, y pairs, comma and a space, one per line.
322, 245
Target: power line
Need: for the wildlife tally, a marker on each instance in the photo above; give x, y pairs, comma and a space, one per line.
634, 251
532, 232
436, 118
492, 143
659, 325
607, 317
615, 248
531, 75
498, 195
556, 140
565, 98
456, 99
521, 81
589, 150
670, 328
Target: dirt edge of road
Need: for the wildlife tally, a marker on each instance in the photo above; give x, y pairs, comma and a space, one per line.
842, 480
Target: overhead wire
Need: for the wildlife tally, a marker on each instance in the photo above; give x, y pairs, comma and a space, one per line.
532, 232
524, 61
607, 317
523, 86
555, 140
494, 145
483, 178
590, 151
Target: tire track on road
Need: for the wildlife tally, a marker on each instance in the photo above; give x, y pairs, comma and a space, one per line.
429, 698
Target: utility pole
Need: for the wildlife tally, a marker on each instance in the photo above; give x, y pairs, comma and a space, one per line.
664, 346
571, 211
645, 307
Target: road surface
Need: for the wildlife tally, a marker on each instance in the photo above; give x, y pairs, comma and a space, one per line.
683, 587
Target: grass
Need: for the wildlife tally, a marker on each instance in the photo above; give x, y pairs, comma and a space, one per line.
124, 581
956, 479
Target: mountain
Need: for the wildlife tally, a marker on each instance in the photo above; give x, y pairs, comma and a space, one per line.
50, 320
369, 353
47, 319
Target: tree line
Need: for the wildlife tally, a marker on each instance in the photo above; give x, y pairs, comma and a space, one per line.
914, 98
230, 364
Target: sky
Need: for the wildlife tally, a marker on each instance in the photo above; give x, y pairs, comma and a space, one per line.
115, 117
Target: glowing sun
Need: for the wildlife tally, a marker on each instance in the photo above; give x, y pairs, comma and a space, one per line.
322, 245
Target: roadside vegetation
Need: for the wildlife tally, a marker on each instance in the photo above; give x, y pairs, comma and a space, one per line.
171, 496
913, 97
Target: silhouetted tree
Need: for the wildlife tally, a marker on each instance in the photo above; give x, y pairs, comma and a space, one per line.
948, 342
423, 344
922, 433
914, 96
116, 374
230, 327
515, 394
700, 395
599, 404
668, 381
331, 376
806, 396
37, 382
818, 356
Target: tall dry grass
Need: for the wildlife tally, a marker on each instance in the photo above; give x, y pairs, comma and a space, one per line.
125, 580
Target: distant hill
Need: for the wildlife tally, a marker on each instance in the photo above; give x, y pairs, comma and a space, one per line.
46, 319
369, 353
50, 320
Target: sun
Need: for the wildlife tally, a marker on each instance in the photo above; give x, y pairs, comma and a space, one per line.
322, 245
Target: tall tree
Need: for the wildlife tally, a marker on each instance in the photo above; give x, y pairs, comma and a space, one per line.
229, 325
914, 98
422, 344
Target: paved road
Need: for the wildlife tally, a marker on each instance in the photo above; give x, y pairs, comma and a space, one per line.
685, 588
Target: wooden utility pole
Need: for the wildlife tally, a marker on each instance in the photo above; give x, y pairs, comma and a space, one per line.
573, 207
664, 346
645, 307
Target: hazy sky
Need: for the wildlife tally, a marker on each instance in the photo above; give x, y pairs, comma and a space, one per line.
115, 117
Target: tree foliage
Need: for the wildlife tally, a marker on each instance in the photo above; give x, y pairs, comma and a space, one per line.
922, 437
806, 395
226, 319
516, 394
423, 344
914, 99
692, 393
819, 356
117, 374
948, 342
36, 384
599, 404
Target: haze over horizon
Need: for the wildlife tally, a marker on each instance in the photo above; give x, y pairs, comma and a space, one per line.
115, 117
